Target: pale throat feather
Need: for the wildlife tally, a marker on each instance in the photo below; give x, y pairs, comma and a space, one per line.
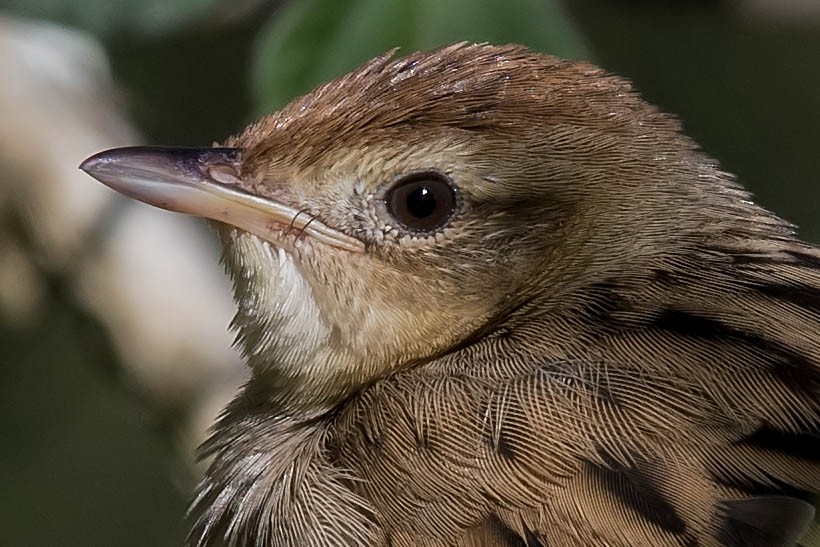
278, 322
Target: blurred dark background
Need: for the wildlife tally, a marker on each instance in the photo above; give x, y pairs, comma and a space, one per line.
95, 449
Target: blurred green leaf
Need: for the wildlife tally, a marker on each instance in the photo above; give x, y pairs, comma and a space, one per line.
316, 40
108, 17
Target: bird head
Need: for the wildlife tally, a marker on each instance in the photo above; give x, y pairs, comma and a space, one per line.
419, 203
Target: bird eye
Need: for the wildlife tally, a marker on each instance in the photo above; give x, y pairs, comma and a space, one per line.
422, 202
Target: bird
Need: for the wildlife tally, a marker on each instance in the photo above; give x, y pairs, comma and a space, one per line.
488, 296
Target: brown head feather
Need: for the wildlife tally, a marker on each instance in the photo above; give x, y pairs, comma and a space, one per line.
489, 91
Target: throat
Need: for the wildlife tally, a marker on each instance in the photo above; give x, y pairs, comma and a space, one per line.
278, 321
288, 343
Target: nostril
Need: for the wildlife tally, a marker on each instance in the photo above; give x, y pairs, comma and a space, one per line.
224, 174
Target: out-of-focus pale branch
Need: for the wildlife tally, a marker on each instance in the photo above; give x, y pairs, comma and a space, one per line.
149, 276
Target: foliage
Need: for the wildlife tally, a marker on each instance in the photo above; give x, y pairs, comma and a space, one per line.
316, 40
108, 17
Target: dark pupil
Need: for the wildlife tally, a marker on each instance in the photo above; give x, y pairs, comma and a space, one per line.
421, 202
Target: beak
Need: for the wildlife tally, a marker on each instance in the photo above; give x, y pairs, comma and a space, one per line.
205, 182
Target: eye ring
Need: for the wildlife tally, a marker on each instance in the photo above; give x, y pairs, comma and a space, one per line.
422, 202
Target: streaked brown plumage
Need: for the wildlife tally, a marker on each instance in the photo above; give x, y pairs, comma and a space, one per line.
603, 342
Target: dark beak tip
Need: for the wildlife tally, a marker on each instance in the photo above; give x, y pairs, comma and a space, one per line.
94, 164
89, 164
